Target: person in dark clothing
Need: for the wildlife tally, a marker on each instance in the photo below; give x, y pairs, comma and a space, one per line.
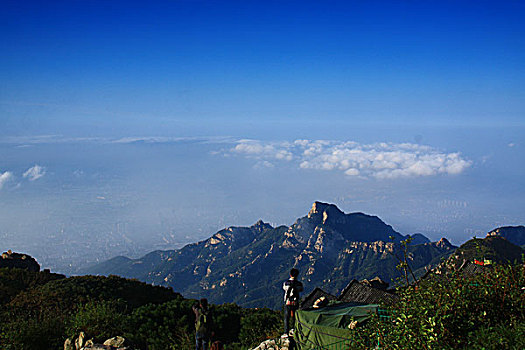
202, 325
292, 289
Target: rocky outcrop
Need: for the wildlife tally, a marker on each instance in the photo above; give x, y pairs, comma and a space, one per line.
444, 243
358, 227
21, 261
275, 344
82, 343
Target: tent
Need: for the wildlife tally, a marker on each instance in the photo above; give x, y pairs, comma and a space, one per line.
330, 327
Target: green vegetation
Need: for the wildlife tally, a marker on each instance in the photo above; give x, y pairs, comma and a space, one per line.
483, 311
457, 309
13, 281
39, 311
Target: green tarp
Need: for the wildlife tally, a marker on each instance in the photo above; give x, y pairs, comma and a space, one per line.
328, 327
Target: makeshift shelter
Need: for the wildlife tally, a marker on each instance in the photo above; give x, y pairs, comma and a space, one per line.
329, 328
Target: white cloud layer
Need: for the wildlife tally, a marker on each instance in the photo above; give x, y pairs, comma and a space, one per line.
4, 177
379, 160
35, 172
57, 139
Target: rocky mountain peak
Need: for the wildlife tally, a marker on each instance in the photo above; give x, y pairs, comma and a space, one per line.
336, 225
261, 226
318, 208
444, 243
325, 209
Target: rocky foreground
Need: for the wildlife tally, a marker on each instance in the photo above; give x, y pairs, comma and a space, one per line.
82, 343
275, 344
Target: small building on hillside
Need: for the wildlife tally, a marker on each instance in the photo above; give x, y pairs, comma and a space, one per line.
365, 293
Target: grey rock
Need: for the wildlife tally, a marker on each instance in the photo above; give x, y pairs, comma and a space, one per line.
117, 341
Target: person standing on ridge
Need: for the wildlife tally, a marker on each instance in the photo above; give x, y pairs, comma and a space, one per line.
292, 288
202, 324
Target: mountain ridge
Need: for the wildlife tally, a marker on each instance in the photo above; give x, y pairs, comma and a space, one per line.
246, 265
514, 234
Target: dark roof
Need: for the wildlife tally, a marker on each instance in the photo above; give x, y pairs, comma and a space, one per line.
470, 269
467, 269
309, 301
357, 292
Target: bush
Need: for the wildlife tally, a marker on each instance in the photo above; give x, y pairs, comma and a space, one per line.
260, 325
502, 336
99, 319
39, 333
486, 310
164, 326
40, 312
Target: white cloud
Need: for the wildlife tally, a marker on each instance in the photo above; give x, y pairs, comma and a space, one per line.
25, 141
263, 164
167, 139
5, 177
352, 172
260, 150
379, 160
35, 172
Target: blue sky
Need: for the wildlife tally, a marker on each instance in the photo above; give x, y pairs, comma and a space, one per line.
150, 105
81, 63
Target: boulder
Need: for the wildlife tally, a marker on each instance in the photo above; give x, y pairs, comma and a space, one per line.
116, 342
80, 343
275, 344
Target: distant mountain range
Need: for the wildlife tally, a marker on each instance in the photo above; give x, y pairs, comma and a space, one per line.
247, 265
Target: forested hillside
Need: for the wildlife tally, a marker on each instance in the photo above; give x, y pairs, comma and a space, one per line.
40, 310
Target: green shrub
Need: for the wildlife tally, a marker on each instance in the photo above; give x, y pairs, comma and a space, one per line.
503, 336
227, 322
39, 333
41, 311
164, 326
457, 312
99, 319
259, 325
